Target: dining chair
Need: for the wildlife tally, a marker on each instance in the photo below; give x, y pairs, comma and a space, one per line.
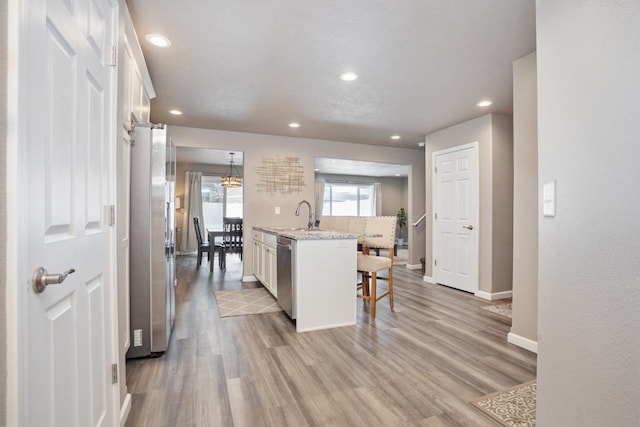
369, 265
232, 239
202, 245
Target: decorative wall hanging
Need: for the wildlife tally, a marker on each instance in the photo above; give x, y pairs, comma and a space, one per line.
280, 175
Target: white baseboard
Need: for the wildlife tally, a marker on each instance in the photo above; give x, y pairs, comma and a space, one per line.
523, 342
494, 296
428, 279
250, 278
318, 328
414, 266
125, 409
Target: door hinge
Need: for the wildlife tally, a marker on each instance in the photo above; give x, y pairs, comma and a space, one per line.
436, 169
114, 55
114, 373
435, 262
112, 215
436, 215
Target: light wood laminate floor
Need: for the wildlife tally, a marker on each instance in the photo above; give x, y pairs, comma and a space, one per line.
417, 366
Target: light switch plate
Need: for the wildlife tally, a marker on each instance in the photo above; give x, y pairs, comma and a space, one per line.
549, 199
277, 210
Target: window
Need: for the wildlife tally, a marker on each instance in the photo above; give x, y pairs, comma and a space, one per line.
349, 199
218, 202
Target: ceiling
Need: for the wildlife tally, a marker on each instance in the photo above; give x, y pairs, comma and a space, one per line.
255, 65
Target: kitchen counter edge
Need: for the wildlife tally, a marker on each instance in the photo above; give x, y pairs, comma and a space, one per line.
298, 234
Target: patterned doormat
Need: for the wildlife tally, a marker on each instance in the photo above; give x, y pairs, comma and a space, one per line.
505, 310
245, 301
515, 407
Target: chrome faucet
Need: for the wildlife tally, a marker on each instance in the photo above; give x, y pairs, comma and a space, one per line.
311, 218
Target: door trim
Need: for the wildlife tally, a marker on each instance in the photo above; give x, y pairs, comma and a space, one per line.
113, 132
16, 251
434, 198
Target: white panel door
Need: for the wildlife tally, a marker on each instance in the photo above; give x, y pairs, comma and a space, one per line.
456, 220
65, 130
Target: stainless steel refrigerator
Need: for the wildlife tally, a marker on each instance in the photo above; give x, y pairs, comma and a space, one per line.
152, 245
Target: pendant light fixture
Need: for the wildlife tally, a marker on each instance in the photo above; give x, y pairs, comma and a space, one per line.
232, 179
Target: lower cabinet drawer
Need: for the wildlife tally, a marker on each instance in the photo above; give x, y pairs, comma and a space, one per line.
269, 240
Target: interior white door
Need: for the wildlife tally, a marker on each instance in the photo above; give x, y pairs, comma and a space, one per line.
456, 220
65, 130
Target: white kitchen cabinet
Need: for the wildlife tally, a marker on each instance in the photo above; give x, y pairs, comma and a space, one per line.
270, 269
127, 65
136, 101
264, 260
136, 95
324, 278
141, 104
257, 260
145, 107
322, 274
135, 81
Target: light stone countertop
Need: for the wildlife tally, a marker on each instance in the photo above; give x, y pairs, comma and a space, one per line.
298, 233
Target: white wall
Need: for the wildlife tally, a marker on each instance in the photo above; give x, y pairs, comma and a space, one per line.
525, 200
259, 207
495, 158
589, 254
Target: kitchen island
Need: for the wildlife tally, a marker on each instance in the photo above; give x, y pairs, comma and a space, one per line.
317, 288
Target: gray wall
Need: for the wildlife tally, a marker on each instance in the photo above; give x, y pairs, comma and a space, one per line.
525, 199
3, 210
502, 208
495, 151
259, 207
394, 192
589, 269
474, 130
181, 168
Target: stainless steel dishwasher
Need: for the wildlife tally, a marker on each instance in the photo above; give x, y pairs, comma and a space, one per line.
285, 275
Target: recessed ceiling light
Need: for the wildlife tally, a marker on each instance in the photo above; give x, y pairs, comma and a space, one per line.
175, 112
484, 103
294, 125
421, 144
317, 170
397, 174
348, 76
395, 137
158, 40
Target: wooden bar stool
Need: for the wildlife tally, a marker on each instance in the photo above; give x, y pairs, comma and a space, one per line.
370, 265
